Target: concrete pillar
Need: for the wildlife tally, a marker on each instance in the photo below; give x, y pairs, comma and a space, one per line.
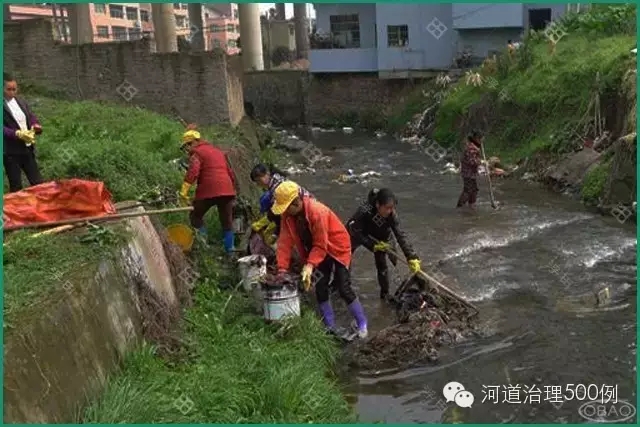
196, 31
251, 36
281, 11
302, 30
164, 27
80, 27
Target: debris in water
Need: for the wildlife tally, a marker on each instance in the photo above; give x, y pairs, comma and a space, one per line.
362, 178
450, 168
426, 319
347, 130
380, 134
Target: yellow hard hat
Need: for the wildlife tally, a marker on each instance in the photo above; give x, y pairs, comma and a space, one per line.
283, 195
190, 136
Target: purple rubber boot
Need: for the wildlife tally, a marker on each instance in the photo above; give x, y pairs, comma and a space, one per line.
357, 311
327, 315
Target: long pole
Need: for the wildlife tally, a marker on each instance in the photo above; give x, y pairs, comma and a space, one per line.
98, 218
493, 200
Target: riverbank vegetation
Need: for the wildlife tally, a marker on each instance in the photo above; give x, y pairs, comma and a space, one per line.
549, 97
229, 367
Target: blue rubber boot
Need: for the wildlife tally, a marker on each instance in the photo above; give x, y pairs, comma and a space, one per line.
228, 241
328, 318
357, 311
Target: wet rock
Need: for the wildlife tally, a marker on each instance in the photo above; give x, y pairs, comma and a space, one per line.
568, 173
292, 144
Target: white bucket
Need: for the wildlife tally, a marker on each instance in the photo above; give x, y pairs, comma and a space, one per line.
238, 226
280, 302
253, 269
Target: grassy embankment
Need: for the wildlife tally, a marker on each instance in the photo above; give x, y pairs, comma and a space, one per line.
237, 369
540, 103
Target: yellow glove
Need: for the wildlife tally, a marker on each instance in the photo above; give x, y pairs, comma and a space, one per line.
27, 136
414, 265
307, 271
381, 247
260, 223
184, 193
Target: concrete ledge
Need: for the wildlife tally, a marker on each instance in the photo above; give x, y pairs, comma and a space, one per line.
57, 360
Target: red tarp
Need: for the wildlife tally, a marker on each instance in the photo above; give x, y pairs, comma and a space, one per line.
56, 201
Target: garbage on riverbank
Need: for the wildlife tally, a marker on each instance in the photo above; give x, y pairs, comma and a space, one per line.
426, 320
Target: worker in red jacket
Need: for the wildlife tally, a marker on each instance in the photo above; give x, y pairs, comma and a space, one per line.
216, 184
317, 234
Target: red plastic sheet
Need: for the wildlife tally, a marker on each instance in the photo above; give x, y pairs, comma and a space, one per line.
56, 201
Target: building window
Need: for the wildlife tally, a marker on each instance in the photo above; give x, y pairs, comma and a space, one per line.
345, 31
238, 29
217, 29
397, 35
230, 28
231, 43
99, 8
292, 30
216, 43
144, 15
102, 31
176, 6
235, 13
181, 21
134, 33
116, 11
119, 33
132, 14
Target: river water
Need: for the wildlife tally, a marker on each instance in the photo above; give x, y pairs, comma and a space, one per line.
530, 267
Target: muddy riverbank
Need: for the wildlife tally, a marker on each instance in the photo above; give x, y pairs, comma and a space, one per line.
530, 267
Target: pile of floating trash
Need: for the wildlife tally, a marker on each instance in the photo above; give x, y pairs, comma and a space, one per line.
426, 320
351, 177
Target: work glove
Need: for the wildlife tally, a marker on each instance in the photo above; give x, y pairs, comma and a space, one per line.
307, 271
259, 224
414, 266
184, 194
381, 247
27, 136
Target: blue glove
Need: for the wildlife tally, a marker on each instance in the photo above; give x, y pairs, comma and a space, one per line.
266, 201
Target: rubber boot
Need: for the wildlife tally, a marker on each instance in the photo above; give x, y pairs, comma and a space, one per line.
357, 311
327, 315
228, 241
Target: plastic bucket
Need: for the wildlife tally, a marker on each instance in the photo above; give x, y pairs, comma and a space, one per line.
280, 302
182, 235
253, 269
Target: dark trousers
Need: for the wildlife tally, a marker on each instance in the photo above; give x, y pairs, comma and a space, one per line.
341, 281
382, 268
225, 211
469, 192
15, 164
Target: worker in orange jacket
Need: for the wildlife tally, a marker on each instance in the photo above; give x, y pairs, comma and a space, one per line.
324, 244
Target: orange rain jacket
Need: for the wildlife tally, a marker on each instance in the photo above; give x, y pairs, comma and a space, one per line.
329, 235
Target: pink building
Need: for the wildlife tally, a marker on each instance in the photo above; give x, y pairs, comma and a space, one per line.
222, 26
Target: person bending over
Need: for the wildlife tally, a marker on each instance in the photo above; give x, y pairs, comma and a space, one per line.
372, 226
216, 185
469, 170
324, 246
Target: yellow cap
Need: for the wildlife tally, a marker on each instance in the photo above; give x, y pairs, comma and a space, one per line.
190, 136
284, 194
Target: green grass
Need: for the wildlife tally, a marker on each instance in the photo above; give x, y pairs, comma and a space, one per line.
236, 368
239, 370
546, 102
594, 183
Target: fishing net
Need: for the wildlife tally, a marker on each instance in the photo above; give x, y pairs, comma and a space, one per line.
426, 320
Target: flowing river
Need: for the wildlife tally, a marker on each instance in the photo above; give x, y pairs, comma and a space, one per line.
530, 267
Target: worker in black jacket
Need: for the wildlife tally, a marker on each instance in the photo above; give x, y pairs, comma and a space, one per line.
372, 225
